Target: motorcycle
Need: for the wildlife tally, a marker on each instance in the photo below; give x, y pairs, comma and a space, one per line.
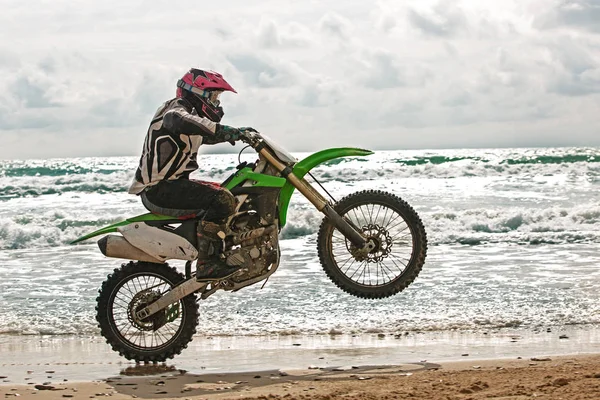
371, 244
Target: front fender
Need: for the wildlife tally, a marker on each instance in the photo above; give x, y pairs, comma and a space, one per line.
304, 166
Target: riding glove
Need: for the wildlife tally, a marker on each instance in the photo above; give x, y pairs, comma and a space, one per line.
228, 133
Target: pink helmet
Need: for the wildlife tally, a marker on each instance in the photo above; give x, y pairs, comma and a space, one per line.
202, 89
205, 80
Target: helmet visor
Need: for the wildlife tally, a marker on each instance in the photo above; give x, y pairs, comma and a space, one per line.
213, 97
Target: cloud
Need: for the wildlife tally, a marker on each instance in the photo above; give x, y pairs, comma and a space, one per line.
335, 26
445, 19
314, 74
31, 94
292, 35
575, 14
66, 91
588, 82
386, 16
387, 70
456, 96
576, 68
8, 59
261, 72
384, 72
319, 92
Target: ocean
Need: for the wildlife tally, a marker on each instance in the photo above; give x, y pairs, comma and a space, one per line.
513, 238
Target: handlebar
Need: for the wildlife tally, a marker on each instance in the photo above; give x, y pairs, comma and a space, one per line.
251, 138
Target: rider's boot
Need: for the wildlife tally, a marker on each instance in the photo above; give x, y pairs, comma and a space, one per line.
210, 266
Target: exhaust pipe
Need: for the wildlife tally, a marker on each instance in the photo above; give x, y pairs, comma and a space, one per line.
118, 247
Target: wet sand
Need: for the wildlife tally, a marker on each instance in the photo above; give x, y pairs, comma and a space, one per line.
575, 377
493, 365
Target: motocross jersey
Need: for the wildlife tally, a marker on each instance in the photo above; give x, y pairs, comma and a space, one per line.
171, 145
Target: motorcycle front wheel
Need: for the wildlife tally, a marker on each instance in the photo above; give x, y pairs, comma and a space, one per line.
158, 337
400, 245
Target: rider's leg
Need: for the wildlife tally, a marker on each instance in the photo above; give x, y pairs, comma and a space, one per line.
211, 231
184, 197
210, 266
177, 198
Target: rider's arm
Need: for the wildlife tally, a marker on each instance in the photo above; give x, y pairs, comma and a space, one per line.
178, 119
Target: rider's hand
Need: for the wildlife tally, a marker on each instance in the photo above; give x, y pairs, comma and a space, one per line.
228, 133
247, 129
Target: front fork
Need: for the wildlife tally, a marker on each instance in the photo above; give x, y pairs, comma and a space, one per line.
347, 229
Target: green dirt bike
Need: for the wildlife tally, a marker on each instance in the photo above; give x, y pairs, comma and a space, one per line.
371, 244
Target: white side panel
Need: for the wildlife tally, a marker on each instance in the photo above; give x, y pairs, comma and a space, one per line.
160, 244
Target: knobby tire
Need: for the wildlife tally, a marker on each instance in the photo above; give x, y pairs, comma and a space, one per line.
414, 265
107, 325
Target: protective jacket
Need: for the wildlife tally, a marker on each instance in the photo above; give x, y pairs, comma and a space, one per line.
171, 145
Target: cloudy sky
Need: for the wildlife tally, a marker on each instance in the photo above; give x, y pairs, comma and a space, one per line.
84, 77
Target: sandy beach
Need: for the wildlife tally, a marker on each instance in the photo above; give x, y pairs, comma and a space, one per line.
566, 377
549, 364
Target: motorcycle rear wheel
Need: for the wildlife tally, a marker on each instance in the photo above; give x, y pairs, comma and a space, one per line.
158, 337
400, 238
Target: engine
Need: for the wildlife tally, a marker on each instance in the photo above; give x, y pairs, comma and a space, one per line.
254, 243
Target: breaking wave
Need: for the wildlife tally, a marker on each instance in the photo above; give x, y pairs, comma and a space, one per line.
555, 225
525, 196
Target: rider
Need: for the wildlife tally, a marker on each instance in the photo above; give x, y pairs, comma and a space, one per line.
162, 179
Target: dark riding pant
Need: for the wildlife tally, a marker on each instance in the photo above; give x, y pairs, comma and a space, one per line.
189, 198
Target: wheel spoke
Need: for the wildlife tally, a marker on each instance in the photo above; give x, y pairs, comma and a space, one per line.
357, 268
397, 266
346, 261
135, 289
399, 224
349, 266
357, 218
378, 210
363, 214
382, 266
404, 261
125, 304
385, 215
392, 220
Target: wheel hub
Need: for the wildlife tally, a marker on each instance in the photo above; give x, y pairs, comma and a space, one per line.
380, 240
140, 301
